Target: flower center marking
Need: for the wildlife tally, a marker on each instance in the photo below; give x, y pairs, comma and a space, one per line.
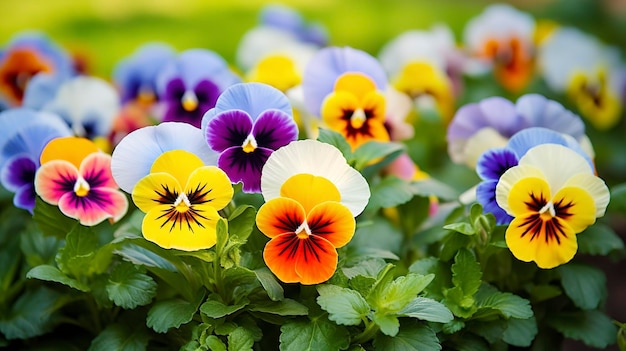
358, 118
182, 203
81, 187
303, 231
249, 145
189, 101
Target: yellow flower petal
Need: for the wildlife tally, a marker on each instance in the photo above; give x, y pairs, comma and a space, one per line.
209, 185
279, 71
356, 83
178, 163
71, 149
576, 207
279, 216
526, 193
188, 230
156, 189
309, 190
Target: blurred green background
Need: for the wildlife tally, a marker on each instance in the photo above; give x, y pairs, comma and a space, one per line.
104, 31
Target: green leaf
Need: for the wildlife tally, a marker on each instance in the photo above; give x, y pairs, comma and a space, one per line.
427, 309
337, 140
451, 244
432, 187
344, 306
432, 265
618, 199
520, 332
121, 338
51, 220
389, 192
216, 309
238, 282
76, 257
222, 237
413, 336
585, 285
285, 307
32, 314
214, 343
453, 326
241, 222
544, 292
510, 305
240, 339
466, 272
395, 296
463, 228
270, 284
129, 286
375, 150
370, 267
313, 335
599, 239
592, 327
153, 257
39, 249
388, 324
490, 330
460, 305
53, 274
172, 313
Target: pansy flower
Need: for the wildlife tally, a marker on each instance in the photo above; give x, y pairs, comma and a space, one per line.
418, 62
346, 88
503, 37
489, 123
181, 197
189, 85
288, 20
20, 150
249, 122
312, 196
553, 195
579, 65
25, 56
494, 162
133, 157
76, 176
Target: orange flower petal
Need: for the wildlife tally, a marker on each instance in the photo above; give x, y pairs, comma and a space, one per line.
309, 190
280, 215
332, 221
71, 149
293, 259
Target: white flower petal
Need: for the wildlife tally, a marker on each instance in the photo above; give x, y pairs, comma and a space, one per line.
558, 163
595, 187
509, 179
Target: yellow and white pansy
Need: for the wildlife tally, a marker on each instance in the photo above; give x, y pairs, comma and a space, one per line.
553, 194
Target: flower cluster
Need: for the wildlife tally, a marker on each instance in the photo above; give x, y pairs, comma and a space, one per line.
319, 195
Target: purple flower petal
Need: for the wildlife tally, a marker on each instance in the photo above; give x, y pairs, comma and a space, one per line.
24, 197
241, 166
538, 111
486, 196
18, 172
228, 129
493, 163
206, 93
274, 129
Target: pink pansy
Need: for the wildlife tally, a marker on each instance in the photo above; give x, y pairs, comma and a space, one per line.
76, 176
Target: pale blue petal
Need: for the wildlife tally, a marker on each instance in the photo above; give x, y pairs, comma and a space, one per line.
134, 155
42, 89
538, 111
33, 137
328, 64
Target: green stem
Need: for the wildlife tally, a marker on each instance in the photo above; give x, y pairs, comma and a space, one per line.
368, 334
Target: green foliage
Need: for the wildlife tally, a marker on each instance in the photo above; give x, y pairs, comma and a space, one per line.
592, 327
412, 336
120, 337
317, 334
171, 313
129, 286
585, 285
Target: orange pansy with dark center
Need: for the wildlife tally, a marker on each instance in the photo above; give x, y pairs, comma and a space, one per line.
356, 109
16, 70
513, 62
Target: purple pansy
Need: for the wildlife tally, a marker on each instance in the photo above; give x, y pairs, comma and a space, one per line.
21, 147
135, 76
249, 122
477, 127
287, 19
494, 162
189, 85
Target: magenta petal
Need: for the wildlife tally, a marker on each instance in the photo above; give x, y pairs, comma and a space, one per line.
245, 167
274, 129
98, 205
228, 129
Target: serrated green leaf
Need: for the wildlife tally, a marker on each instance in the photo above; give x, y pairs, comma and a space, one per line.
490, 330
451, 244
389, 192
413, 336
241, 222
401, 291
337, 140
368, 268
466, 273
239, 282
362, 284
120, 338
153, 257
51, 220
33, 313
592, 327
129, 286
216, 309
460, 305
172, 313
344, 306
432, 265
313, 335
520, 332
76, 257
462, 228
222, 236
53, 274
509, 305
427, 309
240, 339
388, 323
270, 284
599, 239
285, 307
453, 326
585, 285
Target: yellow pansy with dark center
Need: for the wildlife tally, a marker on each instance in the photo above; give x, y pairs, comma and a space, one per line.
356, 109
595, 99
277, 70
